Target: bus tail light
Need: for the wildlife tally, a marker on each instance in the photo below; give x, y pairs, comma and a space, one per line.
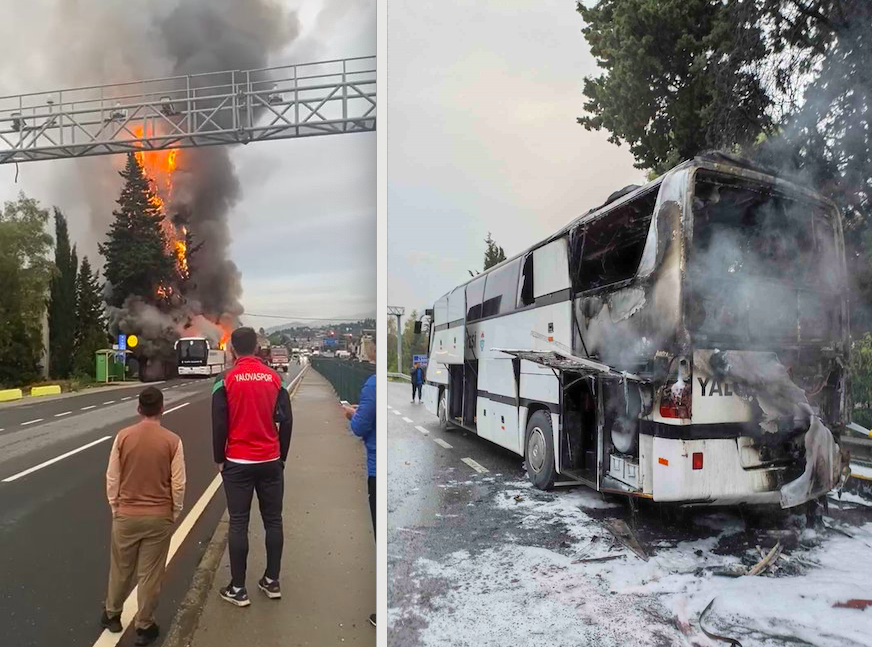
697, 460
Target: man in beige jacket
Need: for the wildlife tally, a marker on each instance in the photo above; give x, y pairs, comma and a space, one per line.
145, 484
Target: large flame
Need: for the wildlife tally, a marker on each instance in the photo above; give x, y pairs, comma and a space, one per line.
159, 166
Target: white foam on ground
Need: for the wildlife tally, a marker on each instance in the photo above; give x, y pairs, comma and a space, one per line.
522, 595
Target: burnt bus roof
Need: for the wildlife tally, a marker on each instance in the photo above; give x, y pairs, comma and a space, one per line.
712, 160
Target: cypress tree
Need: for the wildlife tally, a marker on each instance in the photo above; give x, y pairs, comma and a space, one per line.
90, 324
62, 302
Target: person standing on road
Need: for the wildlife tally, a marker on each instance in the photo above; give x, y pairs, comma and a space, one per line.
363, 418
145, 485
248, 401
417, 381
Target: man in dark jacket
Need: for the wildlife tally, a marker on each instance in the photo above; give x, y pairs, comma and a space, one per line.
248, 401
417, 381
363, 417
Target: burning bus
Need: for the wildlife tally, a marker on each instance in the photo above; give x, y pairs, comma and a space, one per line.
687, 341
195, 356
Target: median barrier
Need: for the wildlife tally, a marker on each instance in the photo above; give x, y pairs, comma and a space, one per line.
346, 377
51, 389
7, 395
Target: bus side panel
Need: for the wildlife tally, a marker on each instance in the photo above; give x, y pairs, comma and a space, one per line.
430, 393
503, 416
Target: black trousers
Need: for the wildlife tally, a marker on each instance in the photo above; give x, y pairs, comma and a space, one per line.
240, 482
370, 483
416, 388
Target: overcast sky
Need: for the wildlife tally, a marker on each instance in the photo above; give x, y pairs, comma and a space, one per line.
304, 230
482, 137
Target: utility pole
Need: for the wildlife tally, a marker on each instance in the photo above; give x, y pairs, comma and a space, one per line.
398, 312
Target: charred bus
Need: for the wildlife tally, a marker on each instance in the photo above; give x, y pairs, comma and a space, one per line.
686, 341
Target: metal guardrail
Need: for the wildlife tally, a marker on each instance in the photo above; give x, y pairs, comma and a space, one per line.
401, 376
346, 377
235, 106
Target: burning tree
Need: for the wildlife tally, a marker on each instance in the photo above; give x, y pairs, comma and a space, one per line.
138, 262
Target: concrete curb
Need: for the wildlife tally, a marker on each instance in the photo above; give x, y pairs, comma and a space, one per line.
187, 618
8, 395
49, 389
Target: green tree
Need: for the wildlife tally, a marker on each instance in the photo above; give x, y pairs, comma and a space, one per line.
493, 254
137, 260
62, 302
90, 331
680, 76
25, 275
412, 344
392, 345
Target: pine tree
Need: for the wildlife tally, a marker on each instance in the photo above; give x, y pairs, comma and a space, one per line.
90, 325
493, 255
137, 259
62, 302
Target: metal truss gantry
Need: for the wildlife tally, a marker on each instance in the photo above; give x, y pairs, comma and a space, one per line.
233, 107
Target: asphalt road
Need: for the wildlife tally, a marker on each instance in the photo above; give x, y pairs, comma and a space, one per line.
55, 522
478, 557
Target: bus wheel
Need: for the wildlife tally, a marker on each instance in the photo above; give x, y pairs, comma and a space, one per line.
444, 425
539, 454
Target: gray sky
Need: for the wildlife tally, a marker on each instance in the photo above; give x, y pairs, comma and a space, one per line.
482, 137
304, 231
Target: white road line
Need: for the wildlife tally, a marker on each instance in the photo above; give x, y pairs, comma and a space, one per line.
442, 443
90, 406
109, 402
127, 398
397, 413
15, 477
478, 468
407, 419
184, 404
422, 430
65, 413
108, 639
30, 422
390, 408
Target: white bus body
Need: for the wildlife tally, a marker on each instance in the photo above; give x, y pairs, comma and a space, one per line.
196, 357
640, 352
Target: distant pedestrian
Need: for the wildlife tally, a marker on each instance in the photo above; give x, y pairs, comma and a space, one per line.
248, 402
145, 485
363, 418
417, 381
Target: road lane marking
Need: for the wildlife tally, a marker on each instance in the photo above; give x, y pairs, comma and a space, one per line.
127, 398
442, 443
422, 430
131, 604
109, 402
65, 413
407, 419
397, 413
30, 422
184, 404
15, 477
478, 468
90, 406
390, 408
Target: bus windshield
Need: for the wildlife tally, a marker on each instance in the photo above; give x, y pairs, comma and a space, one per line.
193, 350
761, 264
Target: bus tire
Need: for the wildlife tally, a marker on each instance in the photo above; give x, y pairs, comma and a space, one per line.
444, 424
539, 451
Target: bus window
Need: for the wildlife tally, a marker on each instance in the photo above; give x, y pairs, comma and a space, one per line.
474, 296
611, 246
525, 298
501, 290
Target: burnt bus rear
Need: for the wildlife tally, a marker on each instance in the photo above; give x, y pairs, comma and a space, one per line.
737, 318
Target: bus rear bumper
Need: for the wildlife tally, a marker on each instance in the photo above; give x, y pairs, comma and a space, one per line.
708, 472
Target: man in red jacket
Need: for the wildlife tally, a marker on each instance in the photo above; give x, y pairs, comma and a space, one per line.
249, 402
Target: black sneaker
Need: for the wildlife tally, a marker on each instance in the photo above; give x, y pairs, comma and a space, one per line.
271, 588
113, 624
372, 620
147, 636
239, 597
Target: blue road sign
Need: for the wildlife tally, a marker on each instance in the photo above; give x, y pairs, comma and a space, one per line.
122, 342
419, 359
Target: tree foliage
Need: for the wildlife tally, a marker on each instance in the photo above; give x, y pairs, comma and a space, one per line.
25, 275
62, 302
679, 76
493, 254
90, 331
137, 258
